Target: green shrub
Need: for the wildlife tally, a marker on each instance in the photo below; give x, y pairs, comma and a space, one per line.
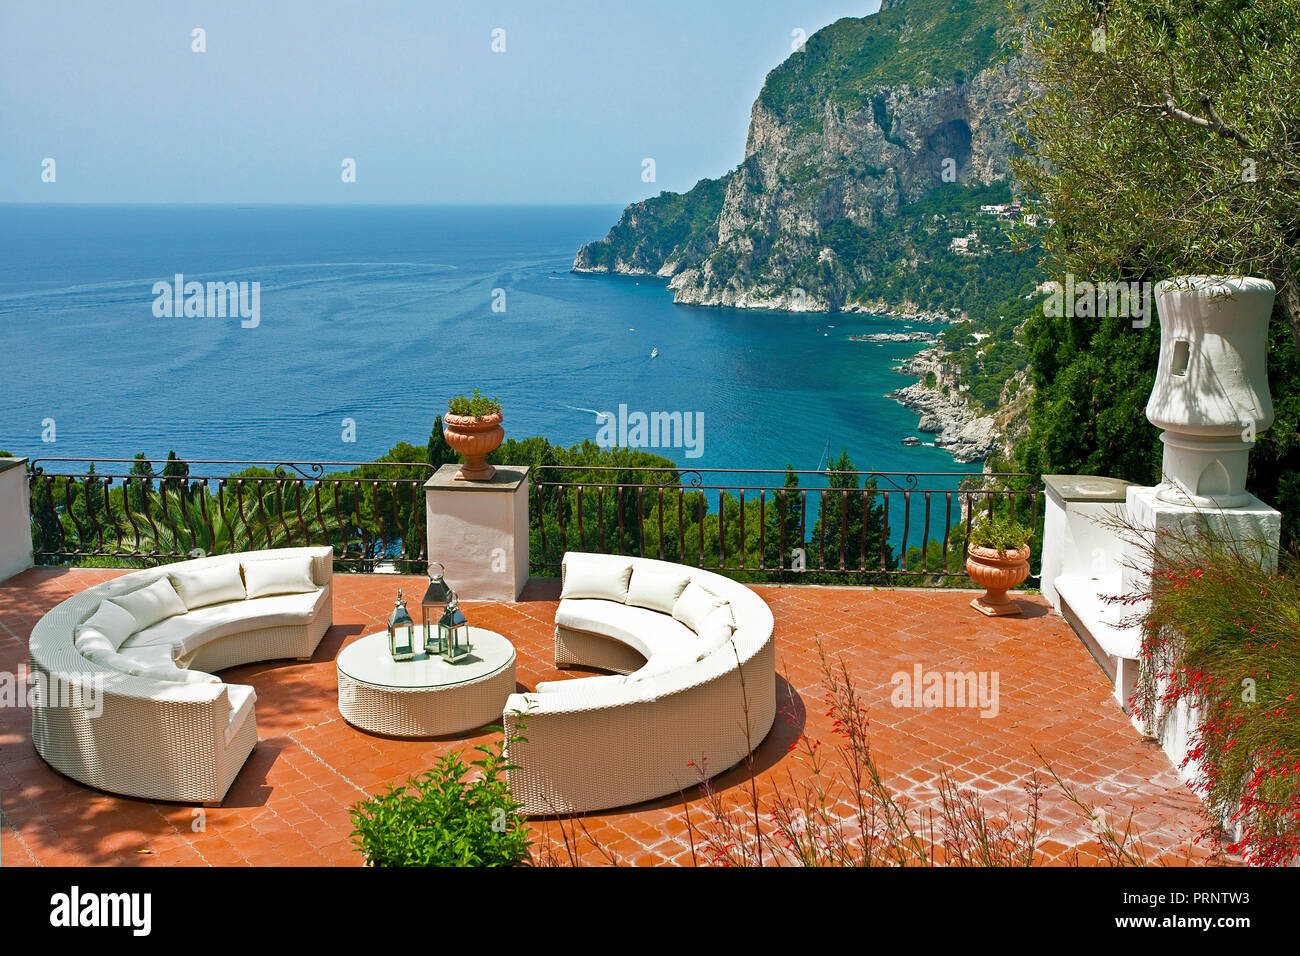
1000, 532
475, 405
440, 818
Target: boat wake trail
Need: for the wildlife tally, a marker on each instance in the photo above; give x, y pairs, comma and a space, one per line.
600, 416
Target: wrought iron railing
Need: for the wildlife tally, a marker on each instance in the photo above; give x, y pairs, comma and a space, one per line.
886, 527
136, 512
849, 527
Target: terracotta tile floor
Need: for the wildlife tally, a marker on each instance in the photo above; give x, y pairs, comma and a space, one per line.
289, 803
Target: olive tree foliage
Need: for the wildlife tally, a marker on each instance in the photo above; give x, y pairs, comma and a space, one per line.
1164, 140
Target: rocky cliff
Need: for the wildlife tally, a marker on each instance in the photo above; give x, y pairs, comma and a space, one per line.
956, 425
850, 142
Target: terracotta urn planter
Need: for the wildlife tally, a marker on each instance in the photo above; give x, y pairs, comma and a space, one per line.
475, 437
996, 572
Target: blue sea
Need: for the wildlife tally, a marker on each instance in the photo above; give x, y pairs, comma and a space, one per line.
378, 314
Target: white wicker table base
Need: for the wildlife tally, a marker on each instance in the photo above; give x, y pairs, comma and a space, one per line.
433, 709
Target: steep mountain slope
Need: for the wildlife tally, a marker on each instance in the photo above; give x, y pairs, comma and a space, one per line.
869, 151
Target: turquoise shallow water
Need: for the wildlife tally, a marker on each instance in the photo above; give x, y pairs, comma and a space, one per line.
379, 314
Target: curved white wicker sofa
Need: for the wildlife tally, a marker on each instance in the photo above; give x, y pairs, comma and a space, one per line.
158, 725
689, 699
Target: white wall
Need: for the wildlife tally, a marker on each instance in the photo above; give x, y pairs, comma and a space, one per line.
15, 518
478, 531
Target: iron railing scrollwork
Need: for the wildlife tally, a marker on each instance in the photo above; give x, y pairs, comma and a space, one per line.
137, 511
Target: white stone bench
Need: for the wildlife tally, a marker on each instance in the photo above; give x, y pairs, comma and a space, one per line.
689, 698
127, 703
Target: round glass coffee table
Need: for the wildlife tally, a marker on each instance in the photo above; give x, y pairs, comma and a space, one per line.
425, 697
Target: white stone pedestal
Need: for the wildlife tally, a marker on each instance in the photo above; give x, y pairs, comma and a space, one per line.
478, 531
1250, 523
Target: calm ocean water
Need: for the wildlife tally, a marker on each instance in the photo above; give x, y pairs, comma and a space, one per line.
379, 314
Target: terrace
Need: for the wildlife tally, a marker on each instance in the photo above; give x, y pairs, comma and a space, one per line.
289, 803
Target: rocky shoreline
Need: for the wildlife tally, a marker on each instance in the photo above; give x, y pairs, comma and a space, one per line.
907, 315
894, 337
957, 428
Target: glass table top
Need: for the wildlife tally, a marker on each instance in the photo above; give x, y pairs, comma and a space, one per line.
367, 660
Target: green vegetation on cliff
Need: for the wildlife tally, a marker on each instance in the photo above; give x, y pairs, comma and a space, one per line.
908, 257
917, 43
655, 229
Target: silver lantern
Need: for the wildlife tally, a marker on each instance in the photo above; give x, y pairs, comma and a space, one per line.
401, 632
453, 632
432, 606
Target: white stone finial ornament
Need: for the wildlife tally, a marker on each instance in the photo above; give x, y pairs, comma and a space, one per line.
1211, 394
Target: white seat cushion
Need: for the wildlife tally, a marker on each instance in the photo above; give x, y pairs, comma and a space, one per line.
581, 683
661, 664
213, 584
152, 603
152, 662
186, 633
278, 576
596, 576
656, 588
241, 698
647, 632
156, 661
155, 655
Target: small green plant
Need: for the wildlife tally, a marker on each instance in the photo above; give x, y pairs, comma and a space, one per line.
440, 818
475, 406
999, 532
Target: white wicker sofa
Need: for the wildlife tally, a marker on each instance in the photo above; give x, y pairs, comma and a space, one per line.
690, 696
139, 648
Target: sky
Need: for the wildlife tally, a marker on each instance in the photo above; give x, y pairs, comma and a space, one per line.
412, 92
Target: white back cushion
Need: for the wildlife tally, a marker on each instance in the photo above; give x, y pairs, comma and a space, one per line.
278, 576
656, 589
111, 622
715, 632
152, 603
695, 605
596, 576
92, 641
214, 584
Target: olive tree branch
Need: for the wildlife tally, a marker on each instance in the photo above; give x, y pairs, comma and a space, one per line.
1213, 122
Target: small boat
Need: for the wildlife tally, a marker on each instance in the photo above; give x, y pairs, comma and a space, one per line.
911, 440
654, 353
